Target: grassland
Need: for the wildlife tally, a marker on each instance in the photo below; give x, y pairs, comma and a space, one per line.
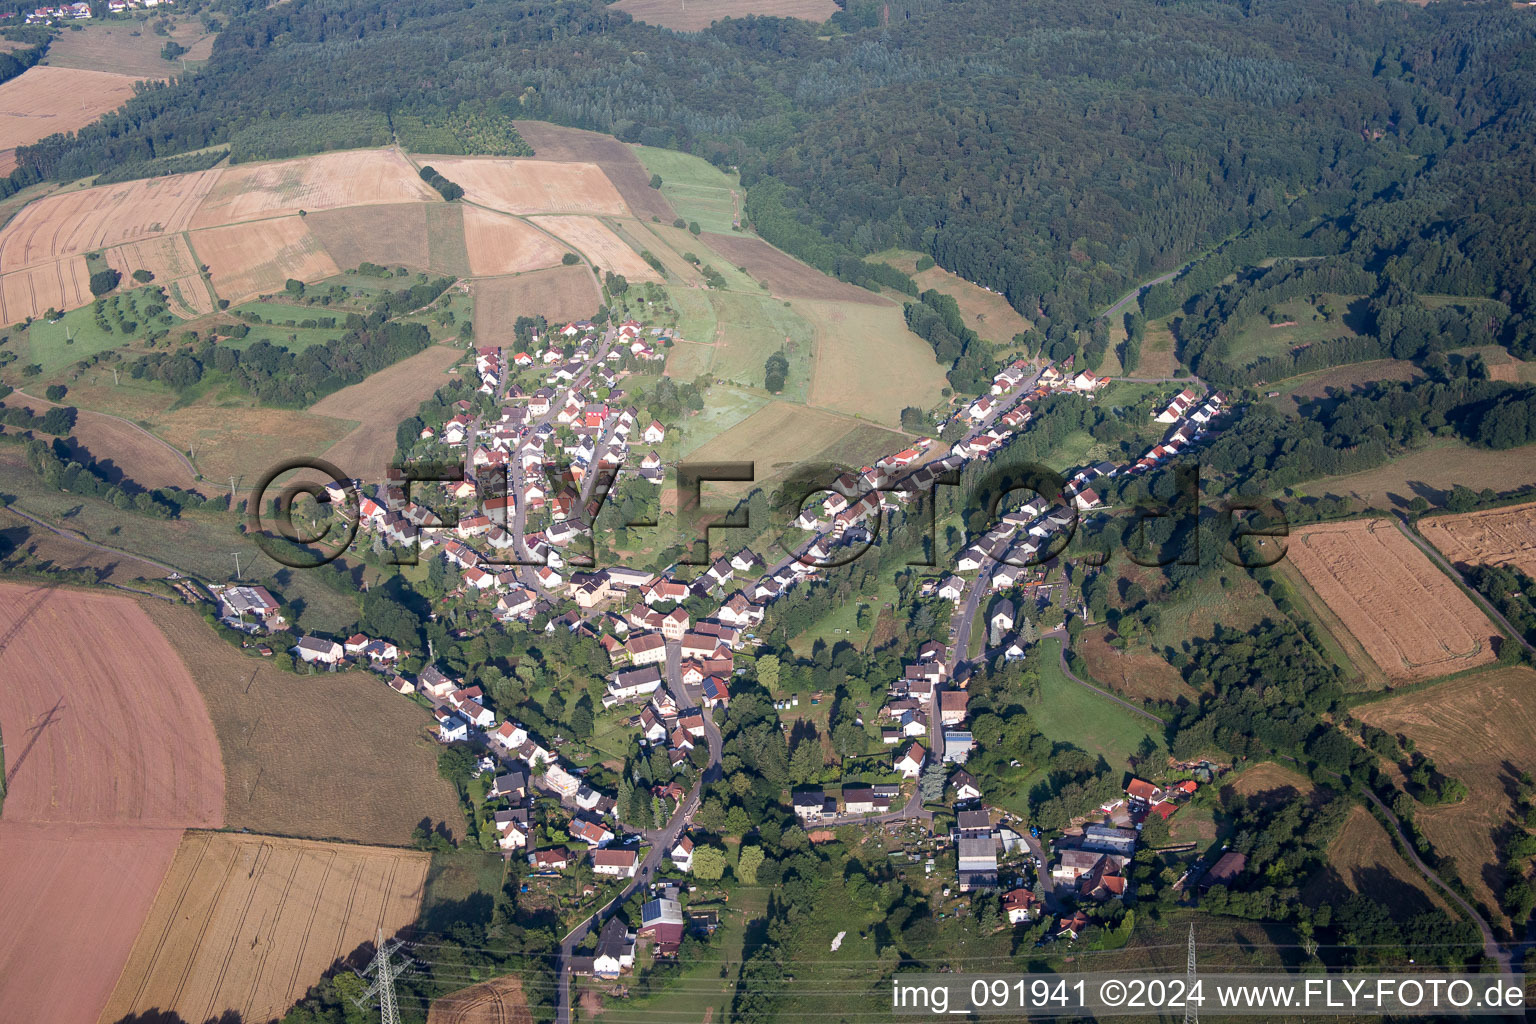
985, 312
130, 48
867, 363
1481, 729
1069, 713
1300, 323
676, 14
750, 329
1431, 472
698, 190
331, 756
1362, 859
1269, 785
1137, 673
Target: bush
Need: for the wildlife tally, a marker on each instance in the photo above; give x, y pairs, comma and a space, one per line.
143, 276
104, 281
55, 392
655, 181
570, 259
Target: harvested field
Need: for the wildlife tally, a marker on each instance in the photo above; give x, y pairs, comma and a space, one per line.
128, 48
1432, 471
525, 186
72, 223
68, 889
499, 244
598, 243
170, 259
356, 177
247, 260
248, 923
1361, 858
62, 284
676, 14
1410, 618
111, 755
560, 293
378, 404
1137, 673
104, 724
1482, 730
867, 363
1270, 784
1341, 380
617, 160
446, 250
120, 449
1501, 536
280, 755
390, 235
44, 100
784, 275
776, 439
500, 1001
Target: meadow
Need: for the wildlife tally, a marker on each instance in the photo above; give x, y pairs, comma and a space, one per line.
697, 189
1069, 713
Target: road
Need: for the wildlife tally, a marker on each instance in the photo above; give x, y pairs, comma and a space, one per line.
661, 841
1132, 295
1481, 601
180, 455
1061, 634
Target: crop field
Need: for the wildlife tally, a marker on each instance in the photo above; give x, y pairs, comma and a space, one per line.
1410, 618
1159, 353
248, 923
500, 1001
697, 189
1138, 673
1500, 536
170, 259
1480, 729
1432, 471
676, 14
283, 737
617, 160
378, 404
129, 48
111, 755
1361, 858
72, 223
394, 234
784, 275
560, 293
358, 177
867, 363
257, 258
44, 100
525, 186
61, 284
598, 243
499, 244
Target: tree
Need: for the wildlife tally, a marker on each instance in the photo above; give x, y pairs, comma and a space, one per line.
570, 259
104, 281
775, 372
581, 716
55, 392
655, 181
456, 765
747, 863
737, 823
143, 276
768, 672
708, 863
693, 227
806, 763
913, 420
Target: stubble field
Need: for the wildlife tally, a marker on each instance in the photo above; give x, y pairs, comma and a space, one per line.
360, 177
44, 100
257, 258
1501, 536
500, 244
617, 160
170, 259
61, 284
531, 186
1480, 729
867, 363
248, 923
560, 293
500, 1001
599, 244
785, 276
1410, 618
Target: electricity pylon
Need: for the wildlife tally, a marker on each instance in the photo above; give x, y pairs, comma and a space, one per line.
1191, 1010
384, 974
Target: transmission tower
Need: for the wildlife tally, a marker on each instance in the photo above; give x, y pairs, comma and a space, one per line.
1191, 1010
384, 974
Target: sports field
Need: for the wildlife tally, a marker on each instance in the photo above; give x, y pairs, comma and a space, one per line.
246, 924
1500, 536
1410, 618
1480, 729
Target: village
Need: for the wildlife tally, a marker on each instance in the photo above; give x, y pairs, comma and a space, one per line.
516, 530
83, 12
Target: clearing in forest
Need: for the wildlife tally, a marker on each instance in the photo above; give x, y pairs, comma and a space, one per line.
676, 14
1411, 618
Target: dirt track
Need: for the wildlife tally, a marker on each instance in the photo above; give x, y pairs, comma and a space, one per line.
1410, 617
1500, 536
500, 1001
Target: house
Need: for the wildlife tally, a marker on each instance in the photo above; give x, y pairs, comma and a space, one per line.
615, 862
1146, 792
1073, 926
976, 861
513, 826
1109, 839
973, 824
1019, 905
1002, 615
952, 589
646, 649
594, 833
315, 650
965, 785
451, 728
1088, 381
716, 693
910, 763
662, 920
615, 950
238, 602
1163, 809
1224, 871
811, 805
682, 854
511, 736
952, 706
858, 800
636, 682
655, 433
674, 624
556, 858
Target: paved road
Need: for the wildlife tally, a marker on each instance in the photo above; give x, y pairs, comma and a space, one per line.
1482, 602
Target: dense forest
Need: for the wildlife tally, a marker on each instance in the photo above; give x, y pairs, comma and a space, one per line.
1073, 149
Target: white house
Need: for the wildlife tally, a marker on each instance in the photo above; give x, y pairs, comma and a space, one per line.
616, 863
682, 854
318, 651
910, 763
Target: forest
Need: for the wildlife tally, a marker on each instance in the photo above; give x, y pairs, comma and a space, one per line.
1067, 155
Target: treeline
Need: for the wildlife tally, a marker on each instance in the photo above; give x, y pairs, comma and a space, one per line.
157, 168
59, 420
471, 130
15, 62
58, 467
285, 136
1511, 591
774, 221
447, 189
936, 318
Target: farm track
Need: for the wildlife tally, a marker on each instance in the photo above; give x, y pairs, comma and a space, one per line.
180, 456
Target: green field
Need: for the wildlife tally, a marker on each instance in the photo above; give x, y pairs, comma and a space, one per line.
75, 336
1258, 339
696, 188
751, 329
1069, 713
